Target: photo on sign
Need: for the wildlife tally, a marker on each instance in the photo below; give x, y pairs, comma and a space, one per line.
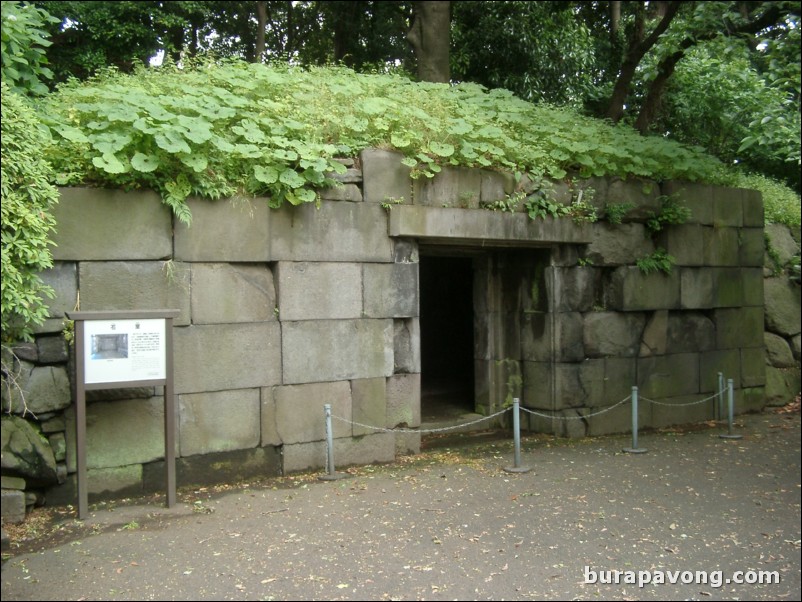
109, 346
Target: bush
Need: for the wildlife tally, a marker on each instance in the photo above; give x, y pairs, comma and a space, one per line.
27, 222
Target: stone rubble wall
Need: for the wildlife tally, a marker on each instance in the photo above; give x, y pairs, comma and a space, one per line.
284, 310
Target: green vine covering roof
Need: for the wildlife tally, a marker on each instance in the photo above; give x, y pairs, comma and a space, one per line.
215, 130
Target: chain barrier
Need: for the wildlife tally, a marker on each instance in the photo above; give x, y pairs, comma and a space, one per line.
408, 430
690, 403
623, 401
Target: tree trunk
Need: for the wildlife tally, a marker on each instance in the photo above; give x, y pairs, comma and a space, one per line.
261, 23
430, 38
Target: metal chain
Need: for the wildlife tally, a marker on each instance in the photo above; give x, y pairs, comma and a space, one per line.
679, 405
623, 401
408, 430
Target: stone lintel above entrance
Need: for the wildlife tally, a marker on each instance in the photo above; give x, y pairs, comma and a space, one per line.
489, 227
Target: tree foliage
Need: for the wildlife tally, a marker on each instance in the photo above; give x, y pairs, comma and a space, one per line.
24, 40
27, 197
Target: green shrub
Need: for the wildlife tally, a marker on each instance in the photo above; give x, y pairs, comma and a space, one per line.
27, 222
780, 203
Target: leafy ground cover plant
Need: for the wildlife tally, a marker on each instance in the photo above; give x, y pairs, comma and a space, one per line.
217, 129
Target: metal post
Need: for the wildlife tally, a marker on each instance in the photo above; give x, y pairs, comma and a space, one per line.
634, 449
730, 411
720, 397
516, 428
330, 475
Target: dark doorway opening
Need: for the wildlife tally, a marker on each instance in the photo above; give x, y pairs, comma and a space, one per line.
447, 337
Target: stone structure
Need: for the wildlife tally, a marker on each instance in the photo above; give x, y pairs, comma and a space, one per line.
358, 301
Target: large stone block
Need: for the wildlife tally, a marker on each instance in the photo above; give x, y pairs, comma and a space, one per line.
613, 334
572, 289
696, 197
403, 401
728, 207
39, 390
752, 279
616, 420
726, 361
557, 336
100, 224
753, 247
618, 244
25, 452
782, 306
456, 225
334, 231
235, 230
379, 447
219, 421
752, 203
721, 247
211, 469
299, 412
345, 192
496, 186
390, 290
63, 278
778, 351
327, 350
13, 508
739, 327
134, 285
556, 386
631, 290
685, 243
406, 346
458, 187
319, 291
683, 409
753, 370
644, 195
226, 293
778, 238
782, 385
385, 178
668, 375
119, 433
368, 405
689, 332
655, 335
222, 357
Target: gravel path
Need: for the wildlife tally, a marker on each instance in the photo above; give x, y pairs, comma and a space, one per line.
451, 524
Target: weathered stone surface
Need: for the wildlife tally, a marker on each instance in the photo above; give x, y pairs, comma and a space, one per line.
63, 279
362, 450
52, 350
368, 405
13, 506
632, 290
385, 177
119, 433
685, 243
796, 343
333, 232
613, 334
329, 350
235, 230
752, 280
114, 482
782, 385
26, 453
299, 414
569, 343
319, 291
135, 285
752, 247
572, 289
753, 214
618, 244
58, 444
547, 336
495, 186
226, 293
390, 290
553, 386
681, 410
781, 242
690, 331
753, 367
696, 197
219, 357
739, 327
458, 187
455, 225
347, 192
406, 346
222, 467
727, 206
668, 375
643, 195
109, 224
219, 421
403, 401
40, 389
782, 306
617, 420
727, 361
778, 352
721, 247
655, 335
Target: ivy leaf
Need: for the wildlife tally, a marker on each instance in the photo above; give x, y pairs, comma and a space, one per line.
109, 163
145, 163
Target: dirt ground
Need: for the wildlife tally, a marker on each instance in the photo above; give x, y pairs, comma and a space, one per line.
697, 512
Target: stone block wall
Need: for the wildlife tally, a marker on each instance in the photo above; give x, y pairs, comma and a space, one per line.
283, 311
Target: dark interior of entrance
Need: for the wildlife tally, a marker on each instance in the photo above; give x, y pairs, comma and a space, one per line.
447, 331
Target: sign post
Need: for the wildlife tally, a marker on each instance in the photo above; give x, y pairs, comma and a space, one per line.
123, 349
